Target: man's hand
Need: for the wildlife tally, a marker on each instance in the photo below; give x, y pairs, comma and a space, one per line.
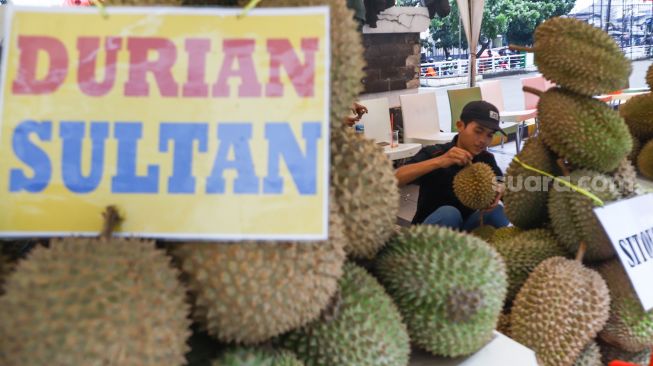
359, 109
456, 156
500, 188
351, 120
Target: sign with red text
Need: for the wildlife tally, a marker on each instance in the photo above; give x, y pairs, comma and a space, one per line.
196, 123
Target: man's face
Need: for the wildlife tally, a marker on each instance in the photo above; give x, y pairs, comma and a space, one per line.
474, 137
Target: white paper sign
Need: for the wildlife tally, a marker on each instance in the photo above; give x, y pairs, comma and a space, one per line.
629, 225
500, 351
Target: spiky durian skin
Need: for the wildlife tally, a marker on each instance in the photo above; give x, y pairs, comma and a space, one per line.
248, 292
90, 302
256, 357
485, 232
505, 233
449, 286
365, 330
526, 192
645, 160
347, 60
591, 356
475, 186
6, 266
523, 253
545, 315
625, 178
572, 216
629, 327
365, 191
611, 353
638, 114
585, 131
580, 57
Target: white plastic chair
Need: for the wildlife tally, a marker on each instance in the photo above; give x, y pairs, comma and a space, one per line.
491, 92
421, 119
377, 119
378, 128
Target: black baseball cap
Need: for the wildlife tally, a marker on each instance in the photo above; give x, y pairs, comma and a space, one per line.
483, 113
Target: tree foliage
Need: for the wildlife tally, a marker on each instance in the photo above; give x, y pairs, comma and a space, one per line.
516, 19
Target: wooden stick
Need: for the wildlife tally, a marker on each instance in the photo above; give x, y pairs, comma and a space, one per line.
581, 251
111, 220
530, 89
563, 166
515, 47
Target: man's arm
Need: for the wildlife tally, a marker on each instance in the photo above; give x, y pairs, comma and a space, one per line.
409, 173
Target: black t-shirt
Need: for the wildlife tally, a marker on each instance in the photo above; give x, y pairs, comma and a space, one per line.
436, 187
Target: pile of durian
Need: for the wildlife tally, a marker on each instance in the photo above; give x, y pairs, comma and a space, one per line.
638, 113
369, 292
581, 311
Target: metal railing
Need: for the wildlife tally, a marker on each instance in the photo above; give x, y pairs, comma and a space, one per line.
496, 64
485, 65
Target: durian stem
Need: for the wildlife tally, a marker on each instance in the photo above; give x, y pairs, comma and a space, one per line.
111, 220
515, 47
529, 89
563, 167
581, 251
480, 220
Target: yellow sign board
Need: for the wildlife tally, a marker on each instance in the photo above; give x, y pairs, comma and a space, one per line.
194, 123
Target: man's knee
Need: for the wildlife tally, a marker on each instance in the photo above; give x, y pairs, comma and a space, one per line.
448, 216
497, 217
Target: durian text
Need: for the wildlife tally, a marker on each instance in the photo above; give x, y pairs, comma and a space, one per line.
638, 248
237, 62
176, 139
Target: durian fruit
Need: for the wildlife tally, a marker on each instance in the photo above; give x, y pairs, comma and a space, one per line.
645, 160
366, 192
143, 2
503, 325
525, 198
591, 356
572, 216
560, 308
347, 60
485, 232
611, 353
638, 114
475, 186
625, 178
249, 292
629, 327
637, 146
523, 253
256, 357
6, 266
94, 302
649, 77
365, 329
449, 286
579, 57
585, 131
505, 233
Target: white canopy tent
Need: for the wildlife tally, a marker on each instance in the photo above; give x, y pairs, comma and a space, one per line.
471, 13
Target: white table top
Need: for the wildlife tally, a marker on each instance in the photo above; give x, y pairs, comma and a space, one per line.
402, 151
518, 116
621, 97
